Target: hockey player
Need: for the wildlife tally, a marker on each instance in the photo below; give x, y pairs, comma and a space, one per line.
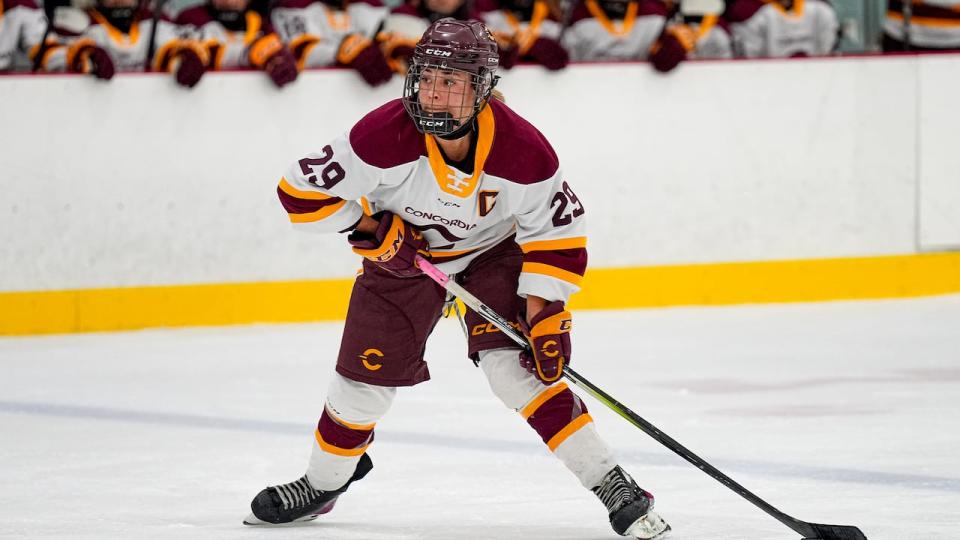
691, 34
526, 30
934, 25
334, 32
236, 36
123, 29
407, 22
22, 27
614, 29
782, 28
438, 174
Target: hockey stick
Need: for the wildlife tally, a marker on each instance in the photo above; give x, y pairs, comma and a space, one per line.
810, 531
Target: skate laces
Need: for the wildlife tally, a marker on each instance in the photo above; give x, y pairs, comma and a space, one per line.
294, 494
617, 490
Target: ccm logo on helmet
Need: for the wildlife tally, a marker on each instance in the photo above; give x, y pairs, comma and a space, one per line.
438, 52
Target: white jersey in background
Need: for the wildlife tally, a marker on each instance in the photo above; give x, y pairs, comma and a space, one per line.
315, 30
934, 24
768, 29
594, 36
384, 163
21, 28
129, 50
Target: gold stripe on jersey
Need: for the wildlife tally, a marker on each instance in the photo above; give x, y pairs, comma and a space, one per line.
628, 19
336, 450
319, 215
309, 195
555, 245
542, 398
552, 271
934, 22
569, 430
448, 179
524, 38
114, 33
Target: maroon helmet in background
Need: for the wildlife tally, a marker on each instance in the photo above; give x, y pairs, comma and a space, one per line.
450, 45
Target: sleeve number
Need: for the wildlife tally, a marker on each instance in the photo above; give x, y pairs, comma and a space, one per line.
331, 174
561, 199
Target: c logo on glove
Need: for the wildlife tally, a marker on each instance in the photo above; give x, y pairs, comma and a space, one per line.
549, 349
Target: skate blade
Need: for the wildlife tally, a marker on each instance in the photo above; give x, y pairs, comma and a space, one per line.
649, 527
254, 521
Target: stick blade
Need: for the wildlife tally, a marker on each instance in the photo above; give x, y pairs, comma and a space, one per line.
836, 532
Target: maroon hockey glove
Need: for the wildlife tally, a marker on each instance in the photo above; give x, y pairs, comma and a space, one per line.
365, 56
85, 56
393, 246
191, 68
549, 335
282, 68
509, 56
101, 64
549, 54
672, 48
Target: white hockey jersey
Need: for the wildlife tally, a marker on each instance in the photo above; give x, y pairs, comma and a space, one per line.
384, 163
314, 30
934, 24
712, 38
129, 50
21, 28
507, 28
767, 29
228, 49
594, 36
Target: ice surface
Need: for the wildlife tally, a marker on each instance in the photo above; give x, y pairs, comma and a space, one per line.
845, 413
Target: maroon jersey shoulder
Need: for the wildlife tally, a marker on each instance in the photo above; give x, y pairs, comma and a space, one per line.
196, 16
293, 4
579, 13
405, 9
386, 137
520, 153
651, 7
10, 4
741, 10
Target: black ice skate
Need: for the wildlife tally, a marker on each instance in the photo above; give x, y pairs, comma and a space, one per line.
630, 508
299, 501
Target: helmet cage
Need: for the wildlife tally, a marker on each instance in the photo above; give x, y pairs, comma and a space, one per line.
462, 108
448, 47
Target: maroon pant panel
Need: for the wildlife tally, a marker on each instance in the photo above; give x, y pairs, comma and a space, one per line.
388, 322
492, 278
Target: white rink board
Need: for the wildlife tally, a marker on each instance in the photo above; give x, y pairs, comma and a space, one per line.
939, 159
140, 182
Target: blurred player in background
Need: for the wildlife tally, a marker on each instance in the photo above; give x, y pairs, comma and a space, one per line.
123, 29
930, 25
407, 22
694, 29
438, 174
334, 33
605, 30
236, 36
783, 28
526, 30
22, 28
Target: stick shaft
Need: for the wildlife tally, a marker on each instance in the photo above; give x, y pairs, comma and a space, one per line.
806, 529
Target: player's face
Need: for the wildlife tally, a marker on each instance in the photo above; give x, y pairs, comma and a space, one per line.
446, 91
443, 7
